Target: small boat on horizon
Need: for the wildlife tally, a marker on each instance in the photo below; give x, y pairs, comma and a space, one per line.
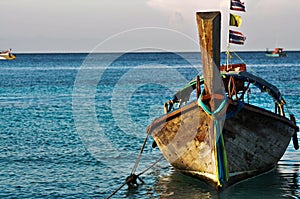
7, 55
277, 52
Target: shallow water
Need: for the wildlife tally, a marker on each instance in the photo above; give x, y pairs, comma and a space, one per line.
72, 125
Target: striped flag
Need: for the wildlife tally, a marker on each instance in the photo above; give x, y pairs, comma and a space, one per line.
235, 20
236, 37
237, 5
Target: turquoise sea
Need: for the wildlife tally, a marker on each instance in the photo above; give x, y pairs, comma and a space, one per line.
72, 125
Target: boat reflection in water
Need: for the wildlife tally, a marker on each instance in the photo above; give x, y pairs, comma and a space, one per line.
281, 182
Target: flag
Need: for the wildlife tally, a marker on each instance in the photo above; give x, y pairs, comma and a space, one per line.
235, 20
236, 37
237, 5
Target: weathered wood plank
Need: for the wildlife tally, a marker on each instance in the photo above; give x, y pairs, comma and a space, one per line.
209, 29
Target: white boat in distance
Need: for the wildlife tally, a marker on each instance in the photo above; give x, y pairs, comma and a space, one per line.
7, 55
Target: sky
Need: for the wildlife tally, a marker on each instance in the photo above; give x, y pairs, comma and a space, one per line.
132, 25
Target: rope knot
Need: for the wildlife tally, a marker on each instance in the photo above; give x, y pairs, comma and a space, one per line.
216, 113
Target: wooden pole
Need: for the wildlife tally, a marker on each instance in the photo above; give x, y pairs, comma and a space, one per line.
198, 89
209, 29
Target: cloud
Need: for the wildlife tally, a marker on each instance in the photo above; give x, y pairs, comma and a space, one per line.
181, 13
177, 20
178, 11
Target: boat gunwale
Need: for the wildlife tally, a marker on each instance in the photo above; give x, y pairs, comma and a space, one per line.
169, 116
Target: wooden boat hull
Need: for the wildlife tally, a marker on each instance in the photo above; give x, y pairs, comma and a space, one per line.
255, 140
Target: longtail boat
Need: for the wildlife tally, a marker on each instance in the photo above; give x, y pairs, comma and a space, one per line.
7, 55
220, 137
277, 52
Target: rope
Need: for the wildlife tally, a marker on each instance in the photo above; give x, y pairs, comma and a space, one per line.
118, 189
230, 50
133, 177
139, 156
206, 109
131, 180
151, 166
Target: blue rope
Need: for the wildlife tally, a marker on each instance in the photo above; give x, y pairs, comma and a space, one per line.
206, 109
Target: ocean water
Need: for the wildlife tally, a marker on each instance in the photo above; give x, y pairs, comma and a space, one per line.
72, 125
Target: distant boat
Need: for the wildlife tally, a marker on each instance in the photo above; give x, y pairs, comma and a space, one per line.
277, 52
7, 55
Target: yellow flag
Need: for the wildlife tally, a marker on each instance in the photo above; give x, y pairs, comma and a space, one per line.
235, 20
